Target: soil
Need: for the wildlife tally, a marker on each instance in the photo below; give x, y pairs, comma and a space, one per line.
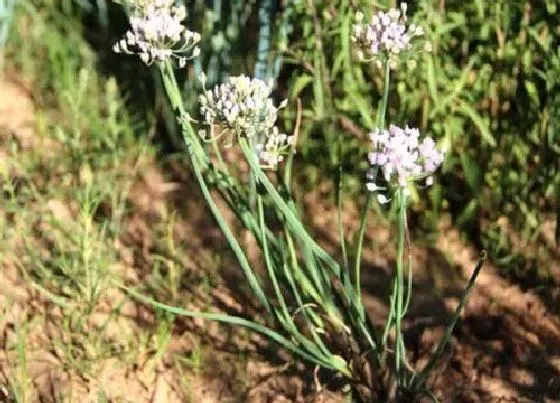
506, 348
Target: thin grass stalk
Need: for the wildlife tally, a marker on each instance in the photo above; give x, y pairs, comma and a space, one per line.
308, 242
304, 282
306, 285
409, 286
235, 201
240, 206
419, 380
312, 319
385, 101
409, 268
313, 269
220, 158
319, 280
292, 284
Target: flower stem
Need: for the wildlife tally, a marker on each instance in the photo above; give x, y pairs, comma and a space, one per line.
399, 300
174, 95
357, 265
369, 199
384, 102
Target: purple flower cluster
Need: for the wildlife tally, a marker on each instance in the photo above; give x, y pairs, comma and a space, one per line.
385, 37
402, 157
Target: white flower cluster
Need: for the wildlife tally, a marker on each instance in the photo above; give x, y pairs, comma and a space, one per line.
402, 157
243, 106
157, 33
385, 37
277, 144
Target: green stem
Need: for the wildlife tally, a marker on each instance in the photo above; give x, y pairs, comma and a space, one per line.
365, 211
409, 285
357, 265
268, 261
220, 157
174, 94
306, 285
339, 208
399, 302
295, 225
317, 349
252, 180
385, 99
390, 317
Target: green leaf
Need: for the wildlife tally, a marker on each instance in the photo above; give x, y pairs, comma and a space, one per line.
299, 85
468, 213
364, 108
432, 83
472, 172
232, 320
479, 122
533, 92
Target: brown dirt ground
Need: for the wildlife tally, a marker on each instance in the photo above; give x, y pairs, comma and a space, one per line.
506, 348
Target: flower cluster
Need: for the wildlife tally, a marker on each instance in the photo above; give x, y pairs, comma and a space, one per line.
277, 144
402, 157
157, 33
385, 37
243, 106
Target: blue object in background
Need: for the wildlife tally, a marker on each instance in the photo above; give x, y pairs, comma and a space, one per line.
6, 16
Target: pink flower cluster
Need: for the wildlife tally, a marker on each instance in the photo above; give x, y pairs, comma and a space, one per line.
385, 37
402, 157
